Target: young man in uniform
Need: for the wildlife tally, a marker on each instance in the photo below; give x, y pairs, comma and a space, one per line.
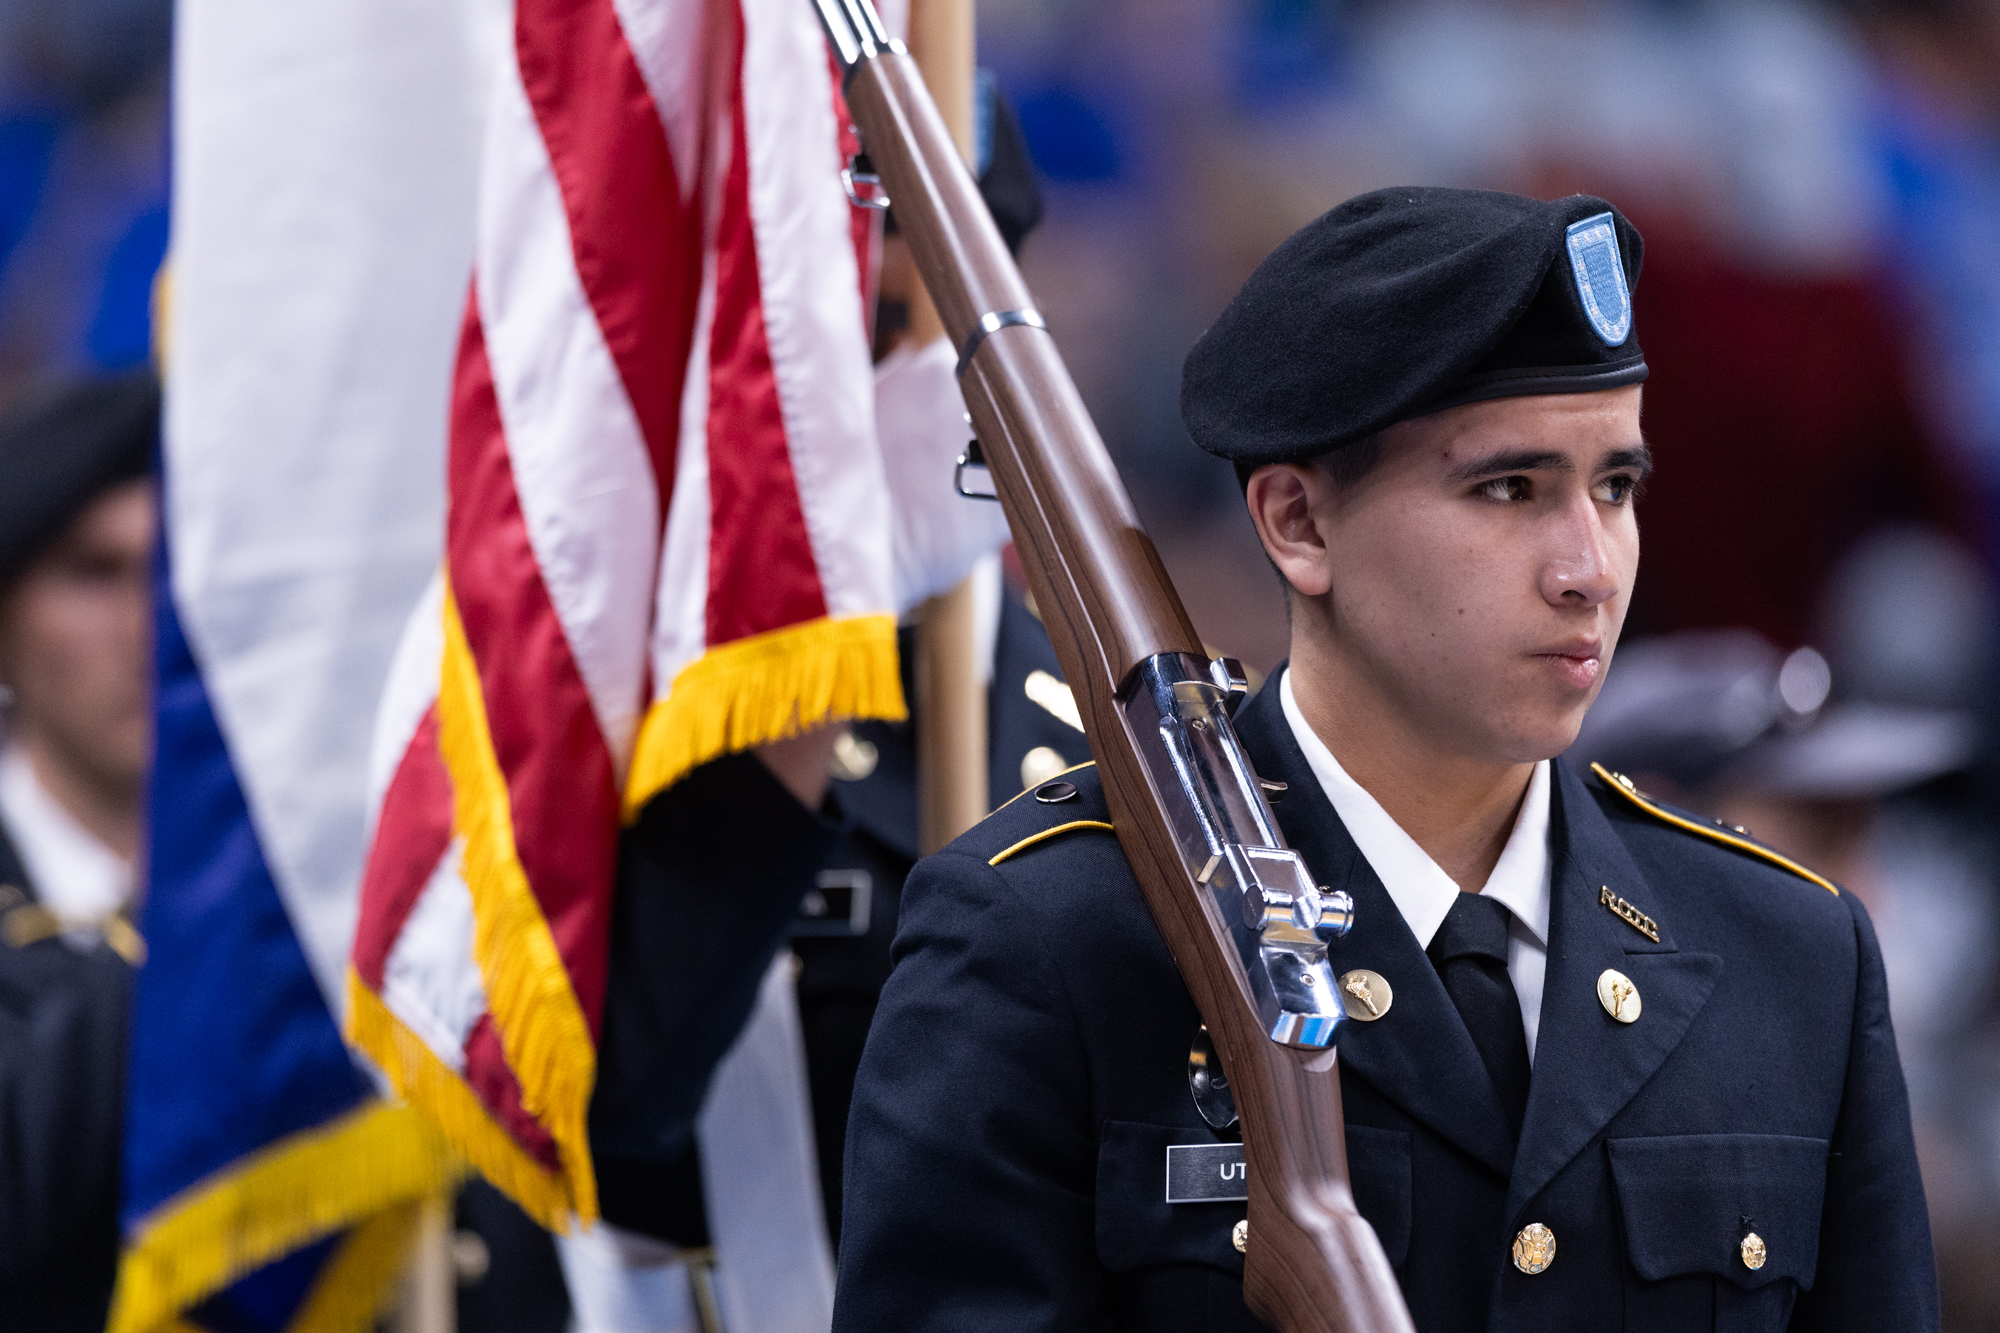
1607, 1066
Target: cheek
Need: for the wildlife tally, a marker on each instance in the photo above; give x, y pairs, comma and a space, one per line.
1624, 543
1427, 580
75, 638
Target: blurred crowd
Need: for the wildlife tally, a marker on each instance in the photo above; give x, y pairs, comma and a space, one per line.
1812, 648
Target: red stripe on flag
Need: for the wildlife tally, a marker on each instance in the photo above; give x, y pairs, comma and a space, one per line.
559, 774
492, 1081
411, 837
637, 245
761, 571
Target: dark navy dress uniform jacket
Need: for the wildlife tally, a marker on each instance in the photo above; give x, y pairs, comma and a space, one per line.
63, 1020
1027, 1070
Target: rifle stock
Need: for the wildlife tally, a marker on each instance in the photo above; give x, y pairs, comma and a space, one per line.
1187, 810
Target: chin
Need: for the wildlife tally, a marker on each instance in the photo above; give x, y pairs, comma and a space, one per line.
1532, 740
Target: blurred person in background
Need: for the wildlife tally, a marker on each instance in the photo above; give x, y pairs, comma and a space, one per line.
77, 527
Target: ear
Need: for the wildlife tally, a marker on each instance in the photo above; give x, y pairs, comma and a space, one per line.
1288, 502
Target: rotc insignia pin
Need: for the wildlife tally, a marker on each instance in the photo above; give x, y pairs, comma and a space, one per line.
1618, 995
1366, 995
1629, 914
1600, 277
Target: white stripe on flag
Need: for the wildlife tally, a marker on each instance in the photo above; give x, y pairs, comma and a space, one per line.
812, 315
581, 469
430, 980
680, 624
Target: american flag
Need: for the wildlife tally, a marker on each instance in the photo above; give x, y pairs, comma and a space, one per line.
667, 538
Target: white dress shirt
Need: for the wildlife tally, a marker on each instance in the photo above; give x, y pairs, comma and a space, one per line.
76, 877
1422, 892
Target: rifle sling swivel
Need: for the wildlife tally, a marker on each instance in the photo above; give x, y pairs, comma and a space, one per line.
992, 322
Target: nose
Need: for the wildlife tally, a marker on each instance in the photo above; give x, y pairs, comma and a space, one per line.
1579, 572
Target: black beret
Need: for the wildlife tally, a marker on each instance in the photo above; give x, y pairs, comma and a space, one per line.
1407, 301
62, 449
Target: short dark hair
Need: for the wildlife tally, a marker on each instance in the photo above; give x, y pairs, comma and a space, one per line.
1344, 467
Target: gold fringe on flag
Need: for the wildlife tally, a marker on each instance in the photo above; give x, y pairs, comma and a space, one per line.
528, 991
766, 688
433, 1087
355, 1286
375, 1160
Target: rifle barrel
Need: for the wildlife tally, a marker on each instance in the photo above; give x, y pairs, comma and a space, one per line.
1239, 913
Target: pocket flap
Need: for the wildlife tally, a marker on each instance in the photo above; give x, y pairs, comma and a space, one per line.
1689, 1201
1136, 1226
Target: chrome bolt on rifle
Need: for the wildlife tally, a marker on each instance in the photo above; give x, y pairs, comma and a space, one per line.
1240, 913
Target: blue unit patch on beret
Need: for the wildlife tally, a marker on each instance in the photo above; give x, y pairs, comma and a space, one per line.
1600, 277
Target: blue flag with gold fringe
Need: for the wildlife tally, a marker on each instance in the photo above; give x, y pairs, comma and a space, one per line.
266, 1188
323, 200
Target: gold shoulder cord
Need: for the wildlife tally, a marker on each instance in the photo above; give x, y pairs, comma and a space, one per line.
1621, 784
31, 923
1047, 833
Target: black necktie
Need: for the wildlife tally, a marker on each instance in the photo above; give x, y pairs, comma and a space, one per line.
1470, 954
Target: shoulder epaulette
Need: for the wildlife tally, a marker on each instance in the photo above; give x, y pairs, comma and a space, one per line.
1729, 835
1043, 835
1074, 826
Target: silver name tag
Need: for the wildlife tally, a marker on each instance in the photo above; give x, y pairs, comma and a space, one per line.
1207, 1173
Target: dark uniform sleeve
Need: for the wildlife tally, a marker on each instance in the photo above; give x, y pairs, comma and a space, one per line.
63, 1021
1875, 1268
970, 1170
709, 879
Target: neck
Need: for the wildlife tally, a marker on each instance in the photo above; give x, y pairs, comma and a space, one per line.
108, 810
1459, 808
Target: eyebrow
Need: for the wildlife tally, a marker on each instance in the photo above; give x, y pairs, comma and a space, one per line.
1636, 458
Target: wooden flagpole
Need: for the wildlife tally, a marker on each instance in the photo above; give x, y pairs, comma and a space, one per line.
430, 1289
951, 697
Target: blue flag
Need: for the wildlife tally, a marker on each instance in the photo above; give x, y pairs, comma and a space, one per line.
266, 1188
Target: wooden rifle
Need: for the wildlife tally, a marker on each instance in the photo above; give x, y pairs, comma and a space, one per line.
1239, 912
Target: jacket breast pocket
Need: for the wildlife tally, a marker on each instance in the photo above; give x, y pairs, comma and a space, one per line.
1136, 1226
1174, 1267
1724, 1221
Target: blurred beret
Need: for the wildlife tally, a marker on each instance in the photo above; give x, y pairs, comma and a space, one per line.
62, 449
1006, 172
1003, 165
1407, 301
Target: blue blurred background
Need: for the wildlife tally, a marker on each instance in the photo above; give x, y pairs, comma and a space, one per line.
83, 183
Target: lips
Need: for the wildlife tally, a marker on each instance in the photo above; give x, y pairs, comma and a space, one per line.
1577, 664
